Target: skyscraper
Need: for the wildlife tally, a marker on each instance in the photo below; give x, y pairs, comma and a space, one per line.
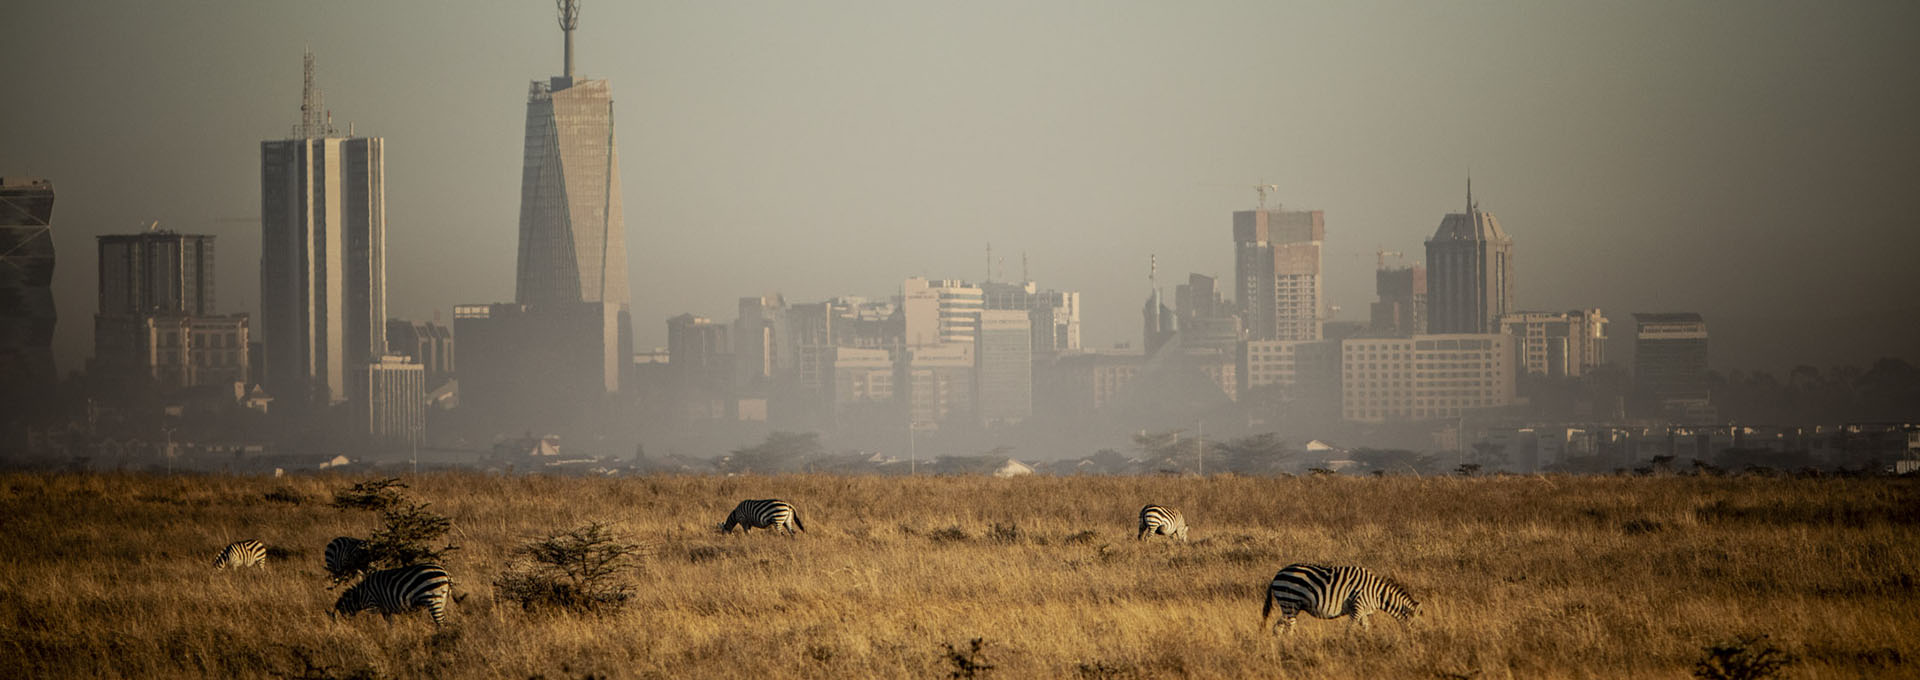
573, 250
1277, 272
323, 271
156, 271
26, 294
1402, 307
1005, 385
1469, 272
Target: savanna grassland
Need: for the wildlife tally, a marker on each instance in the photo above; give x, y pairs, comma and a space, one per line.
1521, 577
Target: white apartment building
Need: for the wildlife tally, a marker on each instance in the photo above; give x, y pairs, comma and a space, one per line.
1425, 377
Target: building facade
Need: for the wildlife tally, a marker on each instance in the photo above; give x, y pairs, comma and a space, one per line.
428, 343
1277, 272
1006, 367
1425, 377
323, 271
26, 295
701, 362
1469, 272
156, 272
1558, 344
169, 351
393, 411
1670, 365
572, 226
1402, 305
941, 311
1054, 315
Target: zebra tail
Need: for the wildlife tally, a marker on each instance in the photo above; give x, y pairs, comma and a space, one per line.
1266, 606
796, 521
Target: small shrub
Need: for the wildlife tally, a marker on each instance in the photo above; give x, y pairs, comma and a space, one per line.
971, 663
374, 494
1467, 469
950, 534
581, 569
1101, 670
285, 494
406, 537
1082, 538
1749, 657
1642, 526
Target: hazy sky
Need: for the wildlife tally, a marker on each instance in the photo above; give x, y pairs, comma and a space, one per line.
1756, 162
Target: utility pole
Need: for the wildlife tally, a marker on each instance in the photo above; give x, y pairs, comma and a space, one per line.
1200, 444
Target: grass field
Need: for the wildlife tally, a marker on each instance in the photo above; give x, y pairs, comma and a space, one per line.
1522, 577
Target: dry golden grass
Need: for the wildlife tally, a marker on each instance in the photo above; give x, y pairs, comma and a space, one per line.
1524, 577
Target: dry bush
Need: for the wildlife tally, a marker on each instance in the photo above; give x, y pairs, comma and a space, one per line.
374, 494
583, 569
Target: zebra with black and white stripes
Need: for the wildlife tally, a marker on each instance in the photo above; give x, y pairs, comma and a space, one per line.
398, 591
246, 553
763, 514
346, 557
1331, 592
1161, 520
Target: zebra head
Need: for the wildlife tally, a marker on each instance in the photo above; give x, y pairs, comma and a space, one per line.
350, 603
1400, 605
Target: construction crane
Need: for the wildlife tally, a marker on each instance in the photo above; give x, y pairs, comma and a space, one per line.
1382, 254
1259, 189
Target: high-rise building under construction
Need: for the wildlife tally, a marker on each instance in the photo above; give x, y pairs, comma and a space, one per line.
1277, 272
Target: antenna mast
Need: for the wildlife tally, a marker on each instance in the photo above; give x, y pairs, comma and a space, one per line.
569, 19
314, 121
1262, 190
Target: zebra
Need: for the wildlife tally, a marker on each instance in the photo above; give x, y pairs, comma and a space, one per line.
248, 553
1331, 592
764, 514
346, 556
1161, 520
398, 591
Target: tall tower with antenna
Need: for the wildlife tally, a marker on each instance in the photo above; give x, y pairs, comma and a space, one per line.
573, 249
323, 273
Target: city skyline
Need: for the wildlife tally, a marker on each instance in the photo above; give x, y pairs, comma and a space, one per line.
1647, 158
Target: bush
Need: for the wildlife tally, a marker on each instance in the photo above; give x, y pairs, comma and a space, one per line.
373, 494
967, 664
582, 569
1749, 657
406, 537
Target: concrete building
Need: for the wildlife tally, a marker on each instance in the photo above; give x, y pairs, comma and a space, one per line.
573, 249
940, 311
1053, 315
759, 343
940, 385
1158, 323
428, 343
534, 364
1469, 272
169, 351
1277, 272
26, 296
1558, 344
323, 269
1425, 377
156, 272
393, 411
1670, 365
1306, 373
1005, 381
863, 381
1402, 306
1206, 319
701, 362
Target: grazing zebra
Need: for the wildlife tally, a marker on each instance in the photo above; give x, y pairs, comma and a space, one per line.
1161, 520
398, 591
247, 553
1332, 592
346, 556
763, 514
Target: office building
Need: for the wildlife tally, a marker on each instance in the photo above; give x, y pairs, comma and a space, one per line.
156, 272
759, 338
701, 363
323, 295
1469, 272
26, 296
940, 311
1425, 377
393, 410
1206, 320
428, 343
573, 249
1005, 381
1401, 309
168, 351
939, 383
1558, 344
1670, 365
1277, 272
1054, 315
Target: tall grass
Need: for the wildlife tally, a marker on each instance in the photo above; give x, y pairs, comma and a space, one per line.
1533, 577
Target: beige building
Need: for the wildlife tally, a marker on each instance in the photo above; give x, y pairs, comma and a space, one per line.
1005, 357
861, 377
1558, 344
1425, 377
170, 351
940, 311
1277, 272
394, 409
939, 380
